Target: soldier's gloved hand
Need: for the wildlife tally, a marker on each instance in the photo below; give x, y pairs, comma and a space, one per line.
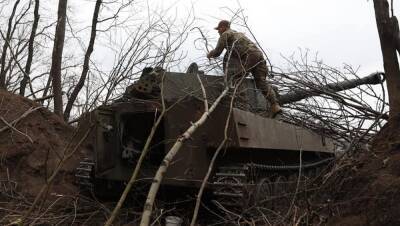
209, 55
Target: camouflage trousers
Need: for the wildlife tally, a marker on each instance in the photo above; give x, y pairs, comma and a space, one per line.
236, 68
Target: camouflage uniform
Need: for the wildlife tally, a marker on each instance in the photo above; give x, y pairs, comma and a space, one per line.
243, 56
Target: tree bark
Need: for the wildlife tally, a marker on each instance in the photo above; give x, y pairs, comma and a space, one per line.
388, 33
55, 71
148, 206
28, 65
214, 158
5, 46
85, 69
396, 33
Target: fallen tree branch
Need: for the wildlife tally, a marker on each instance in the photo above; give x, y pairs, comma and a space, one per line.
15, 129
15, 121
148, 206
211, 166
44, 98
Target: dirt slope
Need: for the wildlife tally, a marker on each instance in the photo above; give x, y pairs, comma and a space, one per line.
25, 162
366, 191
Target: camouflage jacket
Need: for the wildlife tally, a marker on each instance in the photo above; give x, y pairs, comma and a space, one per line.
237, 42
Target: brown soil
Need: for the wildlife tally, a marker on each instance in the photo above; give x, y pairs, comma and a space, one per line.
367, 190
24, 165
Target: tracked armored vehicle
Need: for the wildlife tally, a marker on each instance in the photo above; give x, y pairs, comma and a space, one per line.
261, 151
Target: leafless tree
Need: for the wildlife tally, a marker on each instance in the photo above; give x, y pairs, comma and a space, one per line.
15, 19
55, 71
85, 66
30, 49
389, 35
5, 46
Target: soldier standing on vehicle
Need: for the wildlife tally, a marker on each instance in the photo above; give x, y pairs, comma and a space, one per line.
243, 56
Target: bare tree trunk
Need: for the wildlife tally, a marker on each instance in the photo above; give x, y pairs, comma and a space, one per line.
85, 69
214, 158
47, 87
28, 65
388, 35
55, 71
396, 33
5, 46
148, 206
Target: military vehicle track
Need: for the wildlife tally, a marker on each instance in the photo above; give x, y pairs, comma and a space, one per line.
84, 174
241, 186
230, 185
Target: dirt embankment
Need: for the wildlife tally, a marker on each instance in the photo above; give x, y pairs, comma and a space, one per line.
30, 151
366, 191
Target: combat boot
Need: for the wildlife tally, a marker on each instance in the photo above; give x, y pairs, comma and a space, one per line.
275, 110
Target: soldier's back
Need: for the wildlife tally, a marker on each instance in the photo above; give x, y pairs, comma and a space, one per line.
240, 42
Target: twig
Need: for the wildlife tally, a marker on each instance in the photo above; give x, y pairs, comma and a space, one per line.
16, 60
44, 98
203, 36
203, 90
25, 114
216, 153
12, 127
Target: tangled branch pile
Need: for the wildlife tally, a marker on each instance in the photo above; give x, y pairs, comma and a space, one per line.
346, 116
